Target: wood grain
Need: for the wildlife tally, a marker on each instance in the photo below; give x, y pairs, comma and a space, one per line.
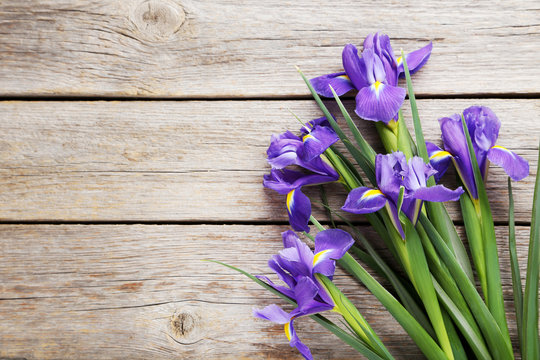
185, 48
188, 161
143, 291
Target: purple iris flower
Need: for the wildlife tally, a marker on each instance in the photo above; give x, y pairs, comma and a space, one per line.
483, 126
296, 265
375, 75
393, 172
306, 152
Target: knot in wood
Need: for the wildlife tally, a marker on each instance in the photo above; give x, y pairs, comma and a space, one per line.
158, 20
182, 324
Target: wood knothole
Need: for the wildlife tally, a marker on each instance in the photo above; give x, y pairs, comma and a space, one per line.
158, 20
184, 325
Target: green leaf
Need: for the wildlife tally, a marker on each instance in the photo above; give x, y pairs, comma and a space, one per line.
355, 343
494, 297
354, 318
404, 137
458, 307
498, 344
436, 211
474, 338
473, 229
418, 271
388, 136
514, 264
530, 300
422, 339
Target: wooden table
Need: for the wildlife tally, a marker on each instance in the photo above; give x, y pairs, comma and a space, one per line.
132, 147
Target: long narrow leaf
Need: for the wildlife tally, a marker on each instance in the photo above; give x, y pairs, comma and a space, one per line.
514, 264
530, 300
499, 346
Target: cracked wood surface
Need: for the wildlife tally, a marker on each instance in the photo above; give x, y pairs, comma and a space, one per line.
189, 161
185, 48
143, 291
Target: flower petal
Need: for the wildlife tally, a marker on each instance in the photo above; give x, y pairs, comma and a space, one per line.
438, 193
415, 59
389, 170
272, 313
340, 82
456, 144
317, 141
439, 159
330, 245
514, 165
284, 181
364, 200
379, 102
299, 210
354, 66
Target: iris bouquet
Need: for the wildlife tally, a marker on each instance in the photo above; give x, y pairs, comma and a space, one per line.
449, 310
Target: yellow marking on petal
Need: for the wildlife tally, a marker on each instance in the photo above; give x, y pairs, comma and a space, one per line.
439, 154
288, 330
307, 136
344, 77
500, 147
377, 84
399, 60
318, 256
371, 193
290, 200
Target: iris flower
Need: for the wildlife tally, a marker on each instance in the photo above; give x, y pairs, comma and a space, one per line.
296, 265
375, 75
483, 126
394, 172
306, 152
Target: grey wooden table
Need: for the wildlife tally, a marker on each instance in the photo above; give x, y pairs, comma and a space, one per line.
132, 146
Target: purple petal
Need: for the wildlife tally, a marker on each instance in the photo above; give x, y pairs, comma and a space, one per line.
456, 144
439, 159
514, 165
310, 125
272, 313
299, 210
389, 170
294, 341
394, 216
364, 200
289, 238
379, 102
354, 66
339, 81
282, 289
374, 69
317, 141
284, 149
330, 245
483, 126
416, 59
438, 193
417, 173
284, 181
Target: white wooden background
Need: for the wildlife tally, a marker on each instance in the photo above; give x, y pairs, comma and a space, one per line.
132, 146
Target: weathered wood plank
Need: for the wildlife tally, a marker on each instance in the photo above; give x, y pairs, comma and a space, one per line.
184, 48
188, 161
142, 291
136, 161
